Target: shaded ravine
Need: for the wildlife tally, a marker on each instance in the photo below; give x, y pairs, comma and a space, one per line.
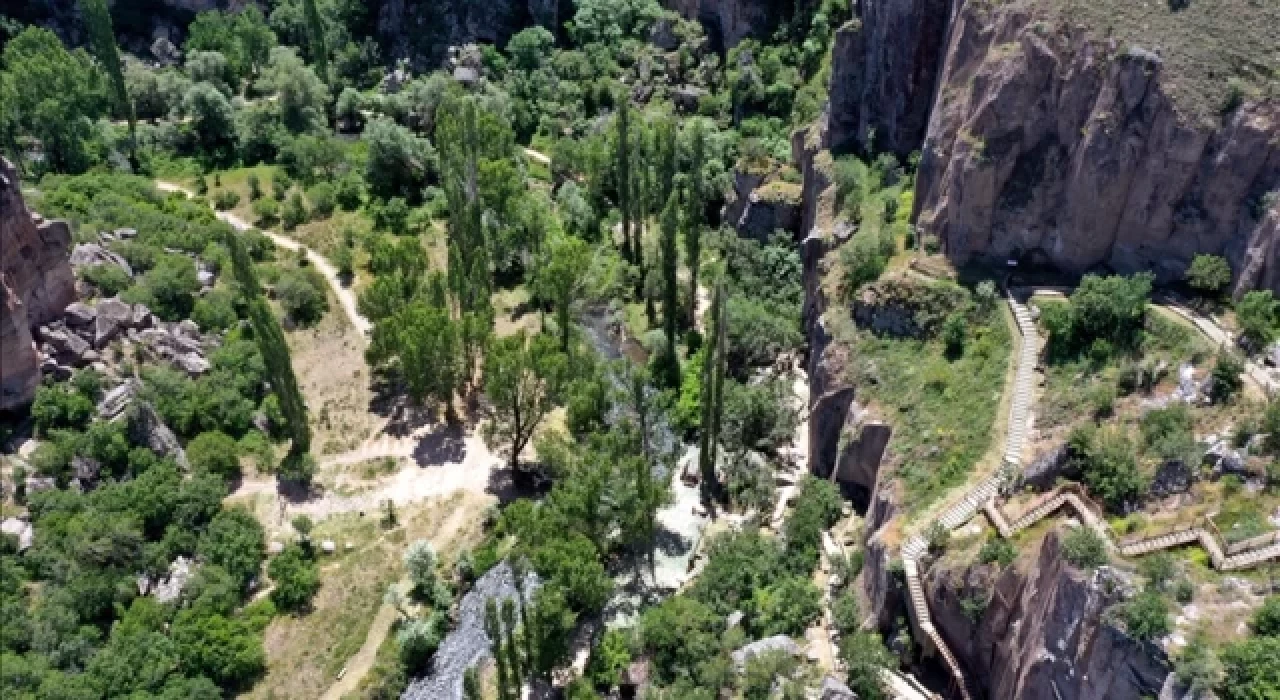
346, 297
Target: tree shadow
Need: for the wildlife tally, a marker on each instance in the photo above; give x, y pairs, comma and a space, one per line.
443, 445
671, 544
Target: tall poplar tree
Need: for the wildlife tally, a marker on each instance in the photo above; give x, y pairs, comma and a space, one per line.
670, 289
274, 349
713, 366
102, 39
512, 649
622, 166
695, 204
493, 630
315, 35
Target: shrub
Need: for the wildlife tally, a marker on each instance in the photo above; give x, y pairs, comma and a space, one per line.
109, 280
1167, 433
215, 452
1197, 667
845, 613
1106, 460
255, 187
786, 607
862, 261
1227, 377
302, 294
226, 199
323, 200
1266, 621
1084, 548
1209, 274
169, 288
294, 213
296, 578
1258, 314
215, 310
280, 184
57, 407
954, 331
1146, 616
349, 192
1250, 669
266, 211
997, 550
758, 416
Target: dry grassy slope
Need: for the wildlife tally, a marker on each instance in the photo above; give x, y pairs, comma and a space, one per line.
1203, 45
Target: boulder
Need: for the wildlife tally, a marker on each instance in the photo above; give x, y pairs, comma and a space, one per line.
776, 643
36, 484
79, 314
148, 429
68, 347
85, 472
115, 401
141, 317
193, 364
169, 589
113, 317
125, 234
187, 328
36, 284
687, 98
833, 689
92, 254
165, 52
21, 529
663, 34
775, 206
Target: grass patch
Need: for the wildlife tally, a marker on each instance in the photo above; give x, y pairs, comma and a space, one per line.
1212, 50
942, 410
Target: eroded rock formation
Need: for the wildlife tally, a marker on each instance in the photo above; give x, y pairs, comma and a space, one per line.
884, 68
728, 22
1042, 635
1048, 142
36, 284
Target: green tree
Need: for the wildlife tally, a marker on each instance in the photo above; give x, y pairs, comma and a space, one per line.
316, 39
1251, 671
1258, 314
493, 630
296, 578
609, 659
215, 452
301, 95
866, 657
423, 342
1209, 274
226, 650
560, 278
713, 367
52, 96
97, 19
694, 208
522, 377
212, 120
398, 161
680, 634
1228, 377
573, 564
789, 607
274, 349
1084, 548
1106, 458
670, 364
624, 178
235, 541
1266, 619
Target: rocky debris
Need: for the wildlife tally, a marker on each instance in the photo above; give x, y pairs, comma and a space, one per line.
1041, 148
66, 347
21, 529
36, 484
115, 401
93, 254
776, 643
884, 66
328, 547
147, 428
1223, 458
36, 284
1044, 628
168, 589
833, 689
180, 344
467, 644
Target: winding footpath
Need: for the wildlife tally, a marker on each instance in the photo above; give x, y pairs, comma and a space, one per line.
346, 297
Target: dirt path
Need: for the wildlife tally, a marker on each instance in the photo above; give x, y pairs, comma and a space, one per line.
346, 297
360, 663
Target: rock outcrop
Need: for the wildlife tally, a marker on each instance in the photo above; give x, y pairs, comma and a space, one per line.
1049, 143
1043, 635
423, 30
36, 284
728, 22
884, 69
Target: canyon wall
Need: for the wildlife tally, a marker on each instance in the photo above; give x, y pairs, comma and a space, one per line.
1050, 144
884, 68
36, 285
1042, 635
728, 22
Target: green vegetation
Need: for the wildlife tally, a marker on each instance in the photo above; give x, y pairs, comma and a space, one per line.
1084, 548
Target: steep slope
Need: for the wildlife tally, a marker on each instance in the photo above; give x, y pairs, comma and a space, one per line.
36, 284
1049, 142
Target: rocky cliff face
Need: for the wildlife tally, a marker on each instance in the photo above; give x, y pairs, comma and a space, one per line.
36, 284
422, 30
884, 68
1047, 142
728, 22
1042, 635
